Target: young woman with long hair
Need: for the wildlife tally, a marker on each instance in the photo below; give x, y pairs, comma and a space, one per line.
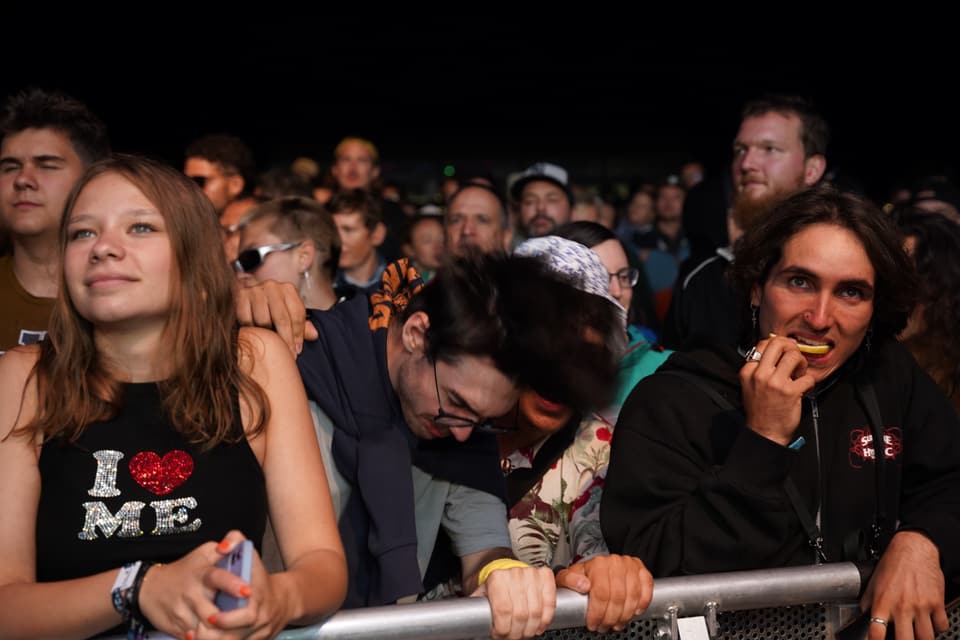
149, 434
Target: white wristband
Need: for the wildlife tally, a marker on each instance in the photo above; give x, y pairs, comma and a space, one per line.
123, 587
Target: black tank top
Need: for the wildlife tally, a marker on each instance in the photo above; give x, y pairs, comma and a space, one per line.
131, 488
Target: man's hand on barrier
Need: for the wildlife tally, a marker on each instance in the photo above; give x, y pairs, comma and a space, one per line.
277, 306
522, 600
907, 590
619, 588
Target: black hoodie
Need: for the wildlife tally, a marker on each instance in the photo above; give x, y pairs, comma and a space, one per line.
691, 489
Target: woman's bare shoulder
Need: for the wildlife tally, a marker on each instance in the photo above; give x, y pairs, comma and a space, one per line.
17, 402
17, 363
263, 346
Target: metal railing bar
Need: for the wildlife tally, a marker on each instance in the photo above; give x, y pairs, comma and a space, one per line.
470, 617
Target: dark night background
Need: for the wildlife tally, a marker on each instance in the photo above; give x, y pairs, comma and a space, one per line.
609, 98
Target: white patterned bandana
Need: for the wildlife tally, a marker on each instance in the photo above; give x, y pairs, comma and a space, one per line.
579, 265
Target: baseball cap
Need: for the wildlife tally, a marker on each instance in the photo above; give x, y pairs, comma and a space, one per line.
542, 171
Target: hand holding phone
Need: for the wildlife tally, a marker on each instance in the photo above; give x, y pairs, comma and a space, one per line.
239, 562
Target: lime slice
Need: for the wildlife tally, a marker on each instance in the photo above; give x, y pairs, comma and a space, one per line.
813, 349
816, 349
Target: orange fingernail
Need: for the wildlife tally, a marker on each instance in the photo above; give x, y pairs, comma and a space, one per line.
188, 635
212, 619
223, 547
245, 591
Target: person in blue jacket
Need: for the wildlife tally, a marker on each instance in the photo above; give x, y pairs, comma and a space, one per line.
397, 376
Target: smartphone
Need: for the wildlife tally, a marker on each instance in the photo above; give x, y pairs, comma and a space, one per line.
239, 562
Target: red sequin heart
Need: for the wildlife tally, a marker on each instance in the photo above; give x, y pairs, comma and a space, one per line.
161, 475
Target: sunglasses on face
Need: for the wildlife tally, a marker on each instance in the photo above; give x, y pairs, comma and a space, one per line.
250, 260
201, 181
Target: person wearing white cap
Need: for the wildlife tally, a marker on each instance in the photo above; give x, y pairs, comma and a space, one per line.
554, 462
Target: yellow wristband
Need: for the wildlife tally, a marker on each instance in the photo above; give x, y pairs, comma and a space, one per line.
499, 563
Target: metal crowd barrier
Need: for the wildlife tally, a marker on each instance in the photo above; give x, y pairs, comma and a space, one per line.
802, 603
673, 598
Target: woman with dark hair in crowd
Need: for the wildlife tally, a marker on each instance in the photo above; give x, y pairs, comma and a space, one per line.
931, 332
642, 355
554, 457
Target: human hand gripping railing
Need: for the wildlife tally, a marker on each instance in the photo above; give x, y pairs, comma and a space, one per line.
471, 618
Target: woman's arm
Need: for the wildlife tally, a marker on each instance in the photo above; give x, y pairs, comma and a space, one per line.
314, 583
83, 607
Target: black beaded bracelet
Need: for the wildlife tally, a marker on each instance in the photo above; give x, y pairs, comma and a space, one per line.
135, 613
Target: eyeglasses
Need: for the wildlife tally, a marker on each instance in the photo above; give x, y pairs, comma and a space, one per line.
628, 276
250, 260
445, 419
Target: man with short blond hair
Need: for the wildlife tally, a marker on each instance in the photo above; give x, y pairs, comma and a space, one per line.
356, 165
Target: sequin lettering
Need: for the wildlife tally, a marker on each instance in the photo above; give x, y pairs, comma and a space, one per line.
105, 482
172, 514
99, 517
159, 475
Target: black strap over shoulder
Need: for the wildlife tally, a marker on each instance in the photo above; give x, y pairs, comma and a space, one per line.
520, 481
870, 404
854, 546
814, 537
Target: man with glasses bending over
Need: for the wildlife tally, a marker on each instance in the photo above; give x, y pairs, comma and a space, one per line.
399, 374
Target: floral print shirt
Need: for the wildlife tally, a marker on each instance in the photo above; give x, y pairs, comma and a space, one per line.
558, 522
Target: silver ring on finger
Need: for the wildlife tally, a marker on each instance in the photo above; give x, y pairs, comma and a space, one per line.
753, 355
878, 621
